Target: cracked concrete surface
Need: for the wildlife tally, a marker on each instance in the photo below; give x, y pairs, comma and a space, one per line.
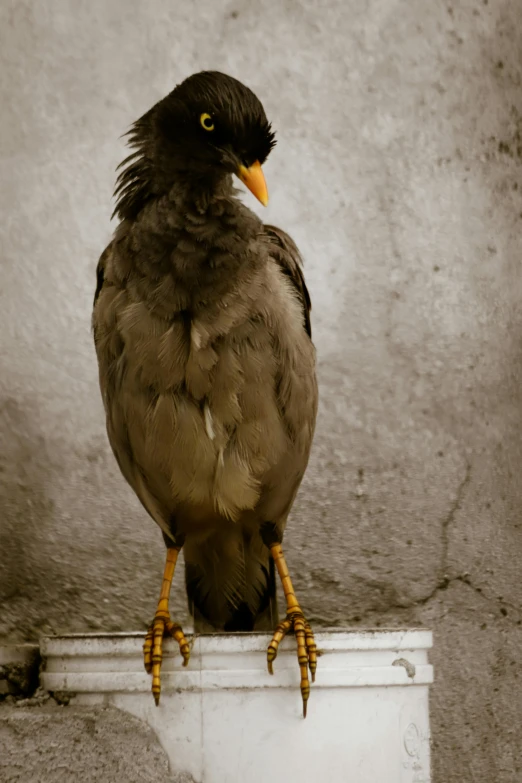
79, 745
398, 173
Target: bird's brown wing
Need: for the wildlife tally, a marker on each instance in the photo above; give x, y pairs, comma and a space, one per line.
296, 385
294, 388
100, 273
109, 349
284, 251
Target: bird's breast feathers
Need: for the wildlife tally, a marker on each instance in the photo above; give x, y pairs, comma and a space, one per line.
203, 409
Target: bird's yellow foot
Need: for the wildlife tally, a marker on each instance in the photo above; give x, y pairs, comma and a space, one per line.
296, 621
163, 626
153, 648
306, 648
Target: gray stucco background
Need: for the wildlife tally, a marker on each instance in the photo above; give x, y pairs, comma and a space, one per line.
397, 171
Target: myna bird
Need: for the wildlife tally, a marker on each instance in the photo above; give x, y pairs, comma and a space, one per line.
207, 368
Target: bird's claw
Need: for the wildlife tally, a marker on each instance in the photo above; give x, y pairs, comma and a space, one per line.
306, 648
161, 626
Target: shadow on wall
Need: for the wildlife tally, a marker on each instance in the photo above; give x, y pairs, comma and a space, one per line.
27, 510
74, 557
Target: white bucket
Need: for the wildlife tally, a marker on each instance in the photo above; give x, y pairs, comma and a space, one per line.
224, 719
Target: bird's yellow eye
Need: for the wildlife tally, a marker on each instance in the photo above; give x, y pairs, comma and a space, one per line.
207, 122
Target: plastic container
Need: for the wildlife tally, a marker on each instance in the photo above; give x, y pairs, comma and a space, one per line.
224, 719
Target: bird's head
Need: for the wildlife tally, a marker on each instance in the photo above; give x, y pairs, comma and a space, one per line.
209, 126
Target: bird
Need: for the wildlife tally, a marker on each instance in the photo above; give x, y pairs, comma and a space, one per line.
207, 369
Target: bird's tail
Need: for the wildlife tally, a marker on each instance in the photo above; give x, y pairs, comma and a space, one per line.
231, 585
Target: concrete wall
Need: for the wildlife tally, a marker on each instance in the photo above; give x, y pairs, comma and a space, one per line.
398, 173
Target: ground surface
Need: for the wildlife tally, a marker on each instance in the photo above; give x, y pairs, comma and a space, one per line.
52, 744
398, 173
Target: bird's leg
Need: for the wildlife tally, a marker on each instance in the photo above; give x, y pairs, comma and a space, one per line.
161, 626
295, 619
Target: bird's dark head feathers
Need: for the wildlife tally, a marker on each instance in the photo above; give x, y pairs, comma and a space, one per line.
207, 127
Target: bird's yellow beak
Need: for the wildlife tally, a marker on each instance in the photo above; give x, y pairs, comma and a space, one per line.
254, 179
